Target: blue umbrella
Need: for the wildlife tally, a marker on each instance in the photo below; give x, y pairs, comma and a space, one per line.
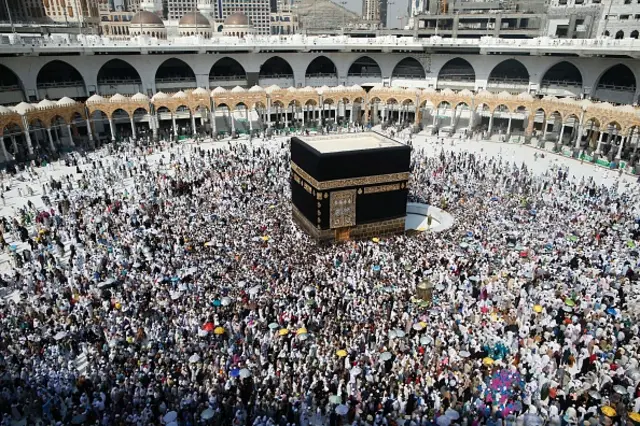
376, 268
13, 247
235, 372
174, 279
494, 198
612, 311
469, 234
216, 303
533, 212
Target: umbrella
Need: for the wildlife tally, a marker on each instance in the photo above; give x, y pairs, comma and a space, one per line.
464, 354
417, 326
235, 372
400, 334
303, 336
537, 308
385, 356
208, 326
218, 331
216, 303
635, 417
209, 244
273, 325
487, 361
194, 358
266, 238
424, 340
341, 353
569, 302
595, 394
301, 330
226, 301
335, 399
254, 290
608, 411
342, 410
375, 240
244, 373
60, 335
620, 389
171, 416
283, 332
207, 414
202, 333
175, 295
107, 283
356, 371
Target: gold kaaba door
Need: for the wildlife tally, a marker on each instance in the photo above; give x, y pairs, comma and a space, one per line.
342, 234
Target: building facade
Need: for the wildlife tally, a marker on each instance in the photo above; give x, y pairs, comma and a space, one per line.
84, 12
284, 23
258, 11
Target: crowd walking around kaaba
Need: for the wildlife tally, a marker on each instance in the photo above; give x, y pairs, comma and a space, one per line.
180, 292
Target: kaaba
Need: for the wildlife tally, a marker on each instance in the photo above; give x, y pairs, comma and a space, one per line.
349, 186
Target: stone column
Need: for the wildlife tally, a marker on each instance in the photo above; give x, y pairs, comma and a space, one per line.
599, 141
71, 143
579, 138
14, 144
154, 123
213, 119
89, 130
233, 124
618, 155
113, 129
5, 153
249, 120
490, 124
352, 116
133, 128
435, 116
509, 125
173, 123
193, 124
561, 134
27, 136
51, 144
545, 126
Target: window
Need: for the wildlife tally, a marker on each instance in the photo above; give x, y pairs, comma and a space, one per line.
624, 17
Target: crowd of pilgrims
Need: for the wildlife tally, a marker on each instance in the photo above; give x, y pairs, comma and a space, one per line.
180, 292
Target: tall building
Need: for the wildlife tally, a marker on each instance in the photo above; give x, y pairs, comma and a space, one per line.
375, 11
176, 9
73, 11
22, 10
258, 11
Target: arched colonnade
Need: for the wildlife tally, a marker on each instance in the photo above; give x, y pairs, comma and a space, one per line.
567, 121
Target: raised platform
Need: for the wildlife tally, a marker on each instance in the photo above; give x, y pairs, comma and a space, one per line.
417, 216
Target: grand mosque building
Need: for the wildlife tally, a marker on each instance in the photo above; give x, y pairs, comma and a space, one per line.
65, 91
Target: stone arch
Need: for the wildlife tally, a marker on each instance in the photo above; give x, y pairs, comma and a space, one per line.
634, 34
118, 69
227, 68
616, 84
57, 73
9, 81
619, 35
276, 67
510, 71
456, 70
364, 66
563, 73
321, 66
174, 69
409, 67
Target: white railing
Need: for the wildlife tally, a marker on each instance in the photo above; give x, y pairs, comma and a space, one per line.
302, 42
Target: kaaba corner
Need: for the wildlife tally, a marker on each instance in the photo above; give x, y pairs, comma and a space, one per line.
349, 186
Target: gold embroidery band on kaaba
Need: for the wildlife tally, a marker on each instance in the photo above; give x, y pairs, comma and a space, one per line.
344, 183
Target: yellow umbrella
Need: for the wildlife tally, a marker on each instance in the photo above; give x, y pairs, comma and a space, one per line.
608, 411
218, 330
635, 417
537, 308
487, 361
301, 330
423, 324
209, 244
375, 240
283, 332
118, 305
341, 353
